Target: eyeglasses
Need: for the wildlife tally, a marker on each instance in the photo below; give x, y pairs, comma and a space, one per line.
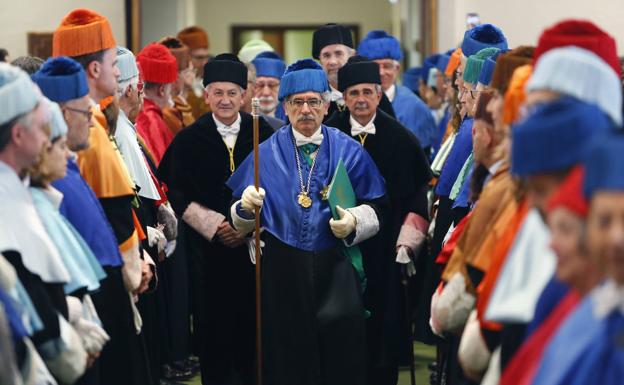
312, 103
87, 113
474, 93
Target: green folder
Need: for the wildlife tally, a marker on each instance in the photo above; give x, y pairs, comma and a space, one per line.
340, 193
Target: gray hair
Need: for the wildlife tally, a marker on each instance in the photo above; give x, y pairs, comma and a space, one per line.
325, 96
123, 85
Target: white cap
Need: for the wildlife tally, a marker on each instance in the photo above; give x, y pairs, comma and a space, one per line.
579, 73
18, 94
126, 62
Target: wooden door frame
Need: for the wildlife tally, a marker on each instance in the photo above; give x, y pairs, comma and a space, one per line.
237, 29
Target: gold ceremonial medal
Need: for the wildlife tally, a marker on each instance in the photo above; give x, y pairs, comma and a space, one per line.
304, 200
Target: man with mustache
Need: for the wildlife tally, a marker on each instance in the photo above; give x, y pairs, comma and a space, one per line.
314, 321
269, 70
406, 222
195, 168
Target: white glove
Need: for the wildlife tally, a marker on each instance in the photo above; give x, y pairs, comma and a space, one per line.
404, 259
252, 198
170, 248
156, 237
453, 306
343, 226
474, 355
167, 218
92, 335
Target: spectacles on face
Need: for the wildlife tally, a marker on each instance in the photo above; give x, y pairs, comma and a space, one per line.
272, 85
474, 93
86, 113
312, 103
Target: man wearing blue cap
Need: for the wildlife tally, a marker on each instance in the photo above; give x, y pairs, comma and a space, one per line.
195, 168
587, 348
24, 242
64, 81
410, 110
546, 145
269, 70
313, 317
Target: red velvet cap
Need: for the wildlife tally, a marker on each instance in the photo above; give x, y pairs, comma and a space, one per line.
570, 194
157, 64
583, 34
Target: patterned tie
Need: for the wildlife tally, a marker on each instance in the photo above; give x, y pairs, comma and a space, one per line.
307, 150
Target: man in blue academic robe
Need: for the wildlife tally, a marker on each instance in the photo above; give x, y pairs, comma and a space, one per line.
313, 317
410, 110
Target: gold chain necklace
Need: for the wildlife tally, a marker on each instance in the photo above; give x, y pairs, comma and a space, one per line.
303, 198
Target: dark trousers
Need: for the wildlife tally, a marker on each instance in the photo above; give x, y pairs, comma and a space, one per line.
313, 318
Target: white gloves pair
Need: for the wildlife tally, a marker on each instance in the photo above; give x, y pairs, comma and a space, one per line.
86, 323
341, 228
156, 237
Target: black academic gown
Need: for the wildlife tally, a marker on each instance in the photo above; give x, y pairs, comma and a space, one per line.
403, 164
384, 104
275, 123
195, 169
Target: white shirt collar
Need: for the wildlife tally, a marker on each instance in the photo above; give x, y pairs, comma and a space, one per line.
494, 168
607, 298
391, 93
316, 138
357, 128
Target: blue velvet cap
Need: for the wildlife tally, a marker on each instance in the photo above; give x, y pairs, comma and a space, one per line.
556, 136
379, 45
604, 166
61, 79
412, 77
483, 36
303, 76
443, 61
429, 63
269, 64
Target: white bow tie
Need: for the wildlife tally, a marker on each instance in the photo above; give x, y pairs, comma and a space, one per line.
316, 138
229, 130
357, 128
232, 129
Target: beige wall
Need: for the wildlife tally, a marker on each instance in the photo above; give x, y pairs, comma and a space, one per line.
523, 21
22, 16
218, 16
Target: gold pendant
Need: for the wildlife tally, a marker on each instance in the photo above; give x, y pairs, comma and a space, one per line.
304, 200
